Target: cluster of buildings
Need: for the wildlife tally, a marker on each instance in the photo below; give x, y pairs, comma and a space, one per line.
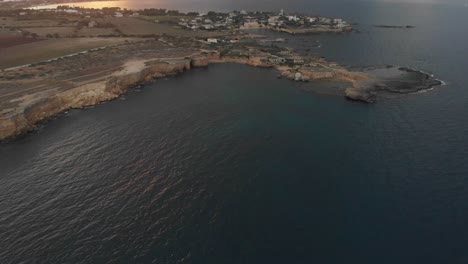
272, 56
298, 20
244, 19
210, 22
285, 57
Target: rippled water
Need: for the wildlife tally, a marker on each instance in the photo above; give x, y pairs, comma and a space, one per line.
231, 165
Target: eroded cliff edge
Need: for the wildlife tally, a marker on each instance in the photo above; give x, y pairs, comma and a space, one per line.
73, 83
33, 109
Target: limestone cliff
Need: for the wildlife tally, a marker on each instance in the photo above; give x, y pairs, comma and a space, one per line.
39, 107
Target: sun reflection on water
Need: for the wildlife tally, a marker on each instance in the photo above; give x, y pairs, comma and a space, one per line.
96, 4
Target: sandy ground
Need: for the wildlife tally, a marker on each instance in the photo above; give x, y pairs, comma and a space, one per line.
136, 26
22, 23
131, 26
83, 68
132, 66
43, 31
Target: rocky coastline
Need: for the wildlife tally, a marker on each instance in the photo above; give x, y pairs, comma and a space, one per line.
26, 117
319, 30
22, 112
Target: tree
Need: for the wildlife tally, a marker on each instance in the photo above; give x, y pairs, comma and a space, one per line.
173, 13
212, 15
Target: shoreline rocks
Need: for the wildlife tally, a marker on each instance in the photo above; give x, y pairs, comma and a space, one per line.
391, 80
365, 86
360, 95
25, 119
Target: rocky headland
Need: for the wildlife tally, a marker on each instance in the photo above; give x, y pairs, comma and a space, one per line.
33, 94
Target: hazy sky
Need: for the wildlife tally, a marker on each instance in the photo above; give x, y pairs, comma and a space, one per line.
411, 1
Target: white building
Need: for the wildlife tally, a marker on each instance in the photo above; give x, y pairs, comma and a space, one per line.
118, 14
326, 20
338, 20
286, 52
276, 60
70, 11
250, 25
293, 18
207, 26
273, 20
298, 60
212, 41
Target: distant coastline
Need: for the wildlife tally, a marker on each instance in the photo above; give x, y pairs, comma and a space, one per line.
390, 26
38, 4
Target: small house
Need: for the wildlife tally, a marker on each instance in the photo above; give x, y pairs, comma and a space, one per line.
276, 60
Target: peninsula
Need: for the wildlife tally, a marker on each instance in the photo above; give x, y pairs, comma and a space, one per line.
55, 60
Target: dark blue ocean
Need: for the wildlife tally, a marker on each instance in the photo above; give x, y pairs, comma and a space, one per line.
231, 165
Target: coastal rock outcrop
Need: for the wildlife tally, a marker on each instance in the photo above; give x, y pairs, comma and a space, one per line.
31, 112
360, 95
204, 59
388, 81
36, 109
364, 85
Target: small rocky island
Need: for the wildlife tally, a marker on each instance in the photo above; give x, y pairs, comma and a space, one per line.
35, 92
390, 26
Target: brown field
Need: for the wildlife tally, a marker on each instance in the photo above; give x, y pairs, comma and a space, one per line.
136, 26
90, 32
68, 32
19, 50
51, 48
63, 32
166, 19
21, 23
10, 40
131, 26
